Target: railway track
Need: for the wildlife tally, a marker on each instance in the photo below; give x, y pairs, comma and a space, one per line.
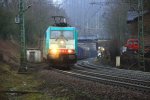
114, 71
116, 78
108, 79
110, 76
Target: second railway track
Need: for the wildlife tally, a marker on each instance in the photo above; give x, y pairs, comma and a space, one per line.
109, 79
145, 76
109, 76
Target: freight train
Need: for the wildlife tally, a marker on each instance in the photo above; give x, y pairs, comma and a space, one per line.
85, 52
60, 45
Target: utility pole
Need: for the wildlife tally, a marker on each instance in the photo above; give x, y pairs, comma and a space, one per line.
141, 61
23, 65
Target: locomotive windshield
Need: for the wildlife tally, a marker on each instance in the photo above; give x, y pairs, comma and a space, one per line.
65, 34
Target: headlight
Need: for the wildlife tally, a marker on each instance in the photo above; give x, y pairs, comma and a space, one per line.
62, 42
54, 51
103, 49
70, 51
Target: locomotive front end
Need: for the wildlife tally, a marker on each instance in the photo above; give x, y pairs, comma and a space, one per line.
61, 46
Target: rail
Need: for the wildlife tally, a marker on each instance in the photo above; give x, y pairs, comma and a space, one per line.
93, 74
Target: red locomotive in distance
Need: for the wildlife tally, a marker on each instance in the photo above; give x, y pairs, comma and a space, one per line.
132, 45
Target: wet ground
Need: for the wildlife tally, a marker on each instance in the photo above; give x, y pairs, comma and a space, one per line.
43, 83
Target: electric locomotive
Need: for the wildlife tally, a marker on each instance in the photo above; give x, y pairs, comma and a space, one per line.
61, 43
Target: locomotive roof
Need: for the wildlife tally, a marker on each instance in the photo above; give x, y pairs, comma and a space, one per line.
55, 28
